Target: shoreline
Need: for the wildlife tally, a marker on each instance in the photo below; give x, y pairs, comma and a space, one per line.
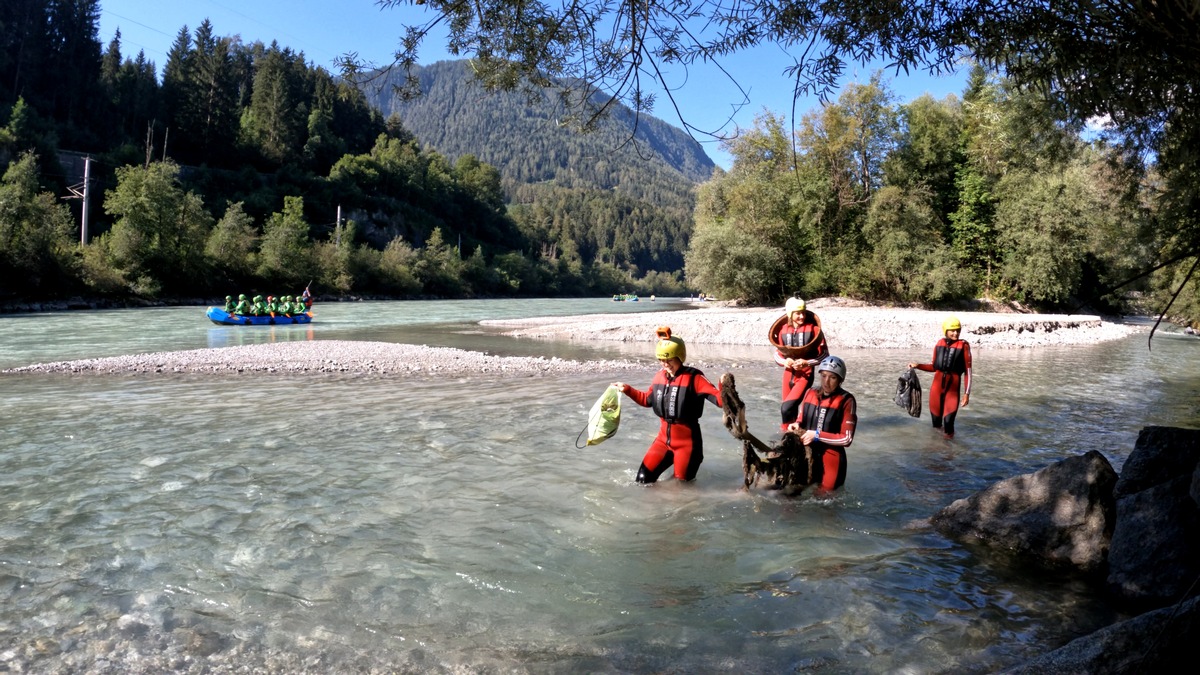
847, 327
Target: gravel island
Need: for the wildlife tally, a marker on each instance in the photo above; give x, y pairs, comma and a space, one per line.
847, 326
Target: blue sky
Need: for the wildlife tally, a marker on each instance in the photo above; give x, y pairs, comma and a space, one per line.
330, 28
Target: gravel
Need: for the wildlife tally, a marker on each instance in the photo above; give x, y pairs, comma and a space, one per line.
846, 327
326, 356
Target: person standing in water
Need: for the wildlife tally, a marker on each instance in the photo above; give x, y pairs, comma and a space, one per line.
828, 416
676, 395
801, 329
951, 368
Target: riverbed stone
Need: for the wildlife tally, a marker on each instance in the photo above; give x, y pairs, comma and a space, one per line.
1155, 642
1161, 454
1061, 515
1155, 553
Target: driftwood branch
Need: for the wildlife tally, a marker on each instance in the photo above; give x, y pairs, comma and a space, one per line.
734, 414
787, 465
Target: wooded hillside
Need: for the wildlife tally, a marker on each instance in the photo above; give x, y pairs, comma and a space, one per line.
623, 193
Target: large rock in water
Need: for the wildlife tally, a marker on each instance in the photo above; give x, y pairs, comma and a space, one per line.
1062, 515
1161, 641
1161, 454
1155, 554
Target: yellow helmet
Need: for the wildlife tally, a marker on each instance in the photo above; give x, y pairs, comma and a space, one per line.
951, 323
793, 305
669, 346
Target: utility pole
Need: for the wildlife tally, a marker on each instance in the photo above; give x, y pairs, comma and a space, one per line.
82, 191
337, 228
87, 193
149, 142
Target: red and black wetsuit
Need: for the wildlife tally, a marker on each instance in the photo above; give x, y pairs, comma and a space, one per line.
798, 379
951, 367
679, 401
833, 417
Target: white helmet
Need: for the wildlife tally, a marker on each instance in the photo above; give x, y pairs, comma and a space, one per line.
834, 365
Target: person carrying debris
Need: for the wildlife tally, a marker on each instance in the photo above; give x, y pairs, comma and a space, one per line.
677, 395
828, 415
801, 330
951, 368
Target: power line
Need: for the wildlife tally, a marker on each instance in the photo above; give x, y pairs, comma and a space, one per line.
274, 32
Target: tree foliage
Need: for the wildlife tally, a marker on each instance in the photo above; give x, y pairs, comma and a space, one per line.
1132, 63
159, 236
35, 229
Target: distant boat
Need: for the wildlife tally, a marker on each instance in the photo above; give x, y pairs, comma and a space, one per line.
222, 318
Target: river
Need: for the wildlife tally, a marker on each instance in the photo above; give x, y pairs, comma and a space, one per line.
365, 523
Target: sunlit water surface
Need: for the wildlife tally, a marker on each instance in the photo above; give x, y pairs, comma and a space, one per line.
350, 523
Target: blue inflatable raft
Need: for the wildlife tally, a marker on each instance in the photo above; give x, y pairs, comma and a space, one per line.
222, 318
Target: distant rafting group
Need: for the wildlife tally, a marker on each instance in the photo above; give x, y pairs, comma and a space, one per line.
263, 311
269, 306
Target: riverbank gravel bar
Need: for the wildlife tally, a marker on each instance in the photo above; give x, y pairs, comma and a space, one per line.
847, 327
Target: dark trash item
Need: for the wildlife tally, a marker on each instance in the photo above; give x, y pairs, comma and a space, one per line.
787, 465
908, 392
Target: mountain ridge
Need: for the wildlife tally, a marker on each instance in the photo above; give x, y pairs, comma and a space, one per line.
623, 193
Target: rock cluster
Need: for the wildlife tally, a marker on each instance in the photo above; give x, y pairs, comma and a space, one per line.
1139, 532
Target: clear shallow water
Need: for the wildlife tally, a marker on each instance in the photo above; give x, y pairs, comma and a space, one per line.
60, 336
339, 524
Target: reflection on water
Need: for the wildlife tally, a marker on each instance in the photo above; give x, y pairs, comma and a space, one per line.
350, 523
234, 336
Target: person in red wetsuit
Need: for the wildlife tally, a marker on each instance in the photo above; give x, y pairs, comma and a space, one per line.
801, 328
677, 395
951, 370
828, 415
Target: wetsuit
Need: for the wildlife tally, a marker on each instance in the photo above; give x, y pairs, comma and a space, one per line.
834, 418
679, 401
951, 367
797, 380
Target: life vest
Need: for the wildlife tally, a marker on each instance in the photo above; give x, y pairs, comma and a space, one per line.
797, 337
950, 356
826, 414
674, 398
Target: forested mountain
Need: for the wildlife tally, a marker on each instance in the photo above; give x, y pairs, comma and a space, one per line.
622, 193
246, 167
